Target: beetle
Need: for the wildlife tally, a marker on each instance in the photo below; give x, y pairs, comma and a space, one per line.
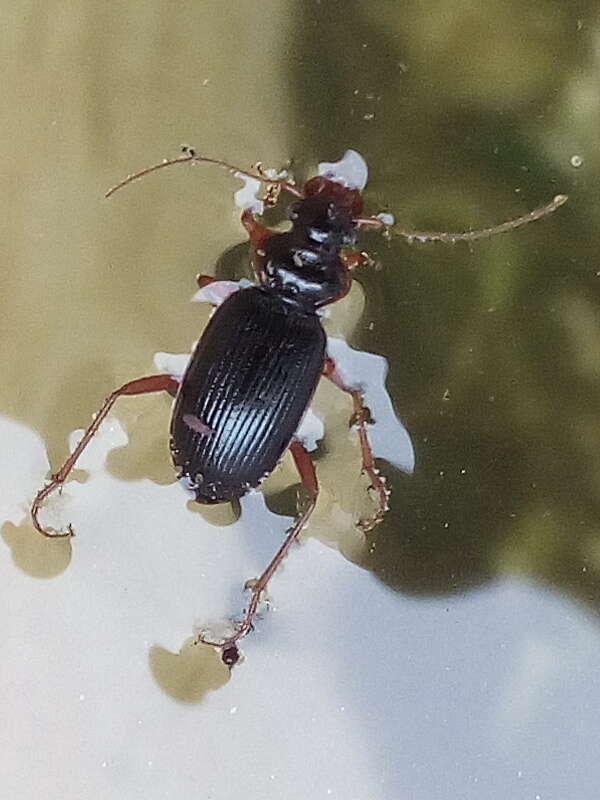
254, 371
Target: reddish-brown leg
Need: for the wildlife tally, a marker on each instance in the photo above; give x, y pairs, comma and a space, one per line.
257, 586
361, 418
257, 232
352, 259
204, 280
152, 383
258, 235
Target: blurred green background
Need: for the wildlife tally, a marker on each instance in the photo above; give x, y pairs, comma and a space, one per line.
467, 113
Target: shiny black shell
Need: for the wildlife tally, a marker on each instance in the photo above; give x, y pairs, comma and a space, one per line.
244, 393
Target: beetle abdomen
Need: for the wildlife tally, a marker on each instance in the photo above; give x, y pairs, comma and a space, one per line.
247, 386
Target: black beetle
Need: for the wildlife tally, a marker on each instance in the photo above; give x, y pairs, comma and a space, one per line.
254, 371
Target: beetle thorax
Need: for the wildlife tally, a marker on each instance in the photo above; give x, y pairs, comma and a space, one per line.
308, 276
304, 265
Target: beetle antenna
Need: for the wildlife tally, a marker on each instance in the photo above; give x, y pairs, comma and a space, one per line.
190, 156
466, 236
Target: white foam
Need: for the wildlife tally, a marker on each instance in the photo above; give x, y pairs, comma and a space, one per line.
247, 197
388, 436
351, 170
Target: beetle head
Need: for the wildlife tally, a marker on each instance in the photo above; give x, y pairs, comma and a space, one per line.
326, 213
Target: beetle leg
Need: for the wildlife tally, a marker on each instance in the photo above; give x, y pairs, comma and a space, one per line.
306, 468
352, 259
361, 418
152, 383
258, 235
204, 280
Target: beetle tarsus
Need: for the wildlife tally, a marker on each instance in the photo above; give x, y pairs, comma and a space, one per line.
361, 418
153, 383
54, 484
258, 586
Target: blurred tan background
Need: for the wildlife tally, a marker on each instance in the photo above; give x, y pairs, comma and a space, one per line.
468, 114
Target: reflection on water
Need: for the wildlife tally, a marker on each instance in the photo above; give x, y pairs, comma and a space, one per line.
468, 115
494, 348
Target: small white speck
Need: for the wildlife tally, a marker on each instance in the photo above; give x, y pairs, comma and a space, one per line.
271, 777
369, 117
140, 722
463, 472
150, 763
104, 764
233, 710
520, 773
576, 161
82, 697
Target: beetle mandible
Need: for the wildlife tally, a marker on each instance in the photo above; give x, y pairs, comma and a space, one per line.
256, 366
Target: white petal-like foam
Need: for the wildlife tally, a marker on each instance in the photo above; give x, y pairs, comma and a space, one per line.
351, 170
247, 196
389, 438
